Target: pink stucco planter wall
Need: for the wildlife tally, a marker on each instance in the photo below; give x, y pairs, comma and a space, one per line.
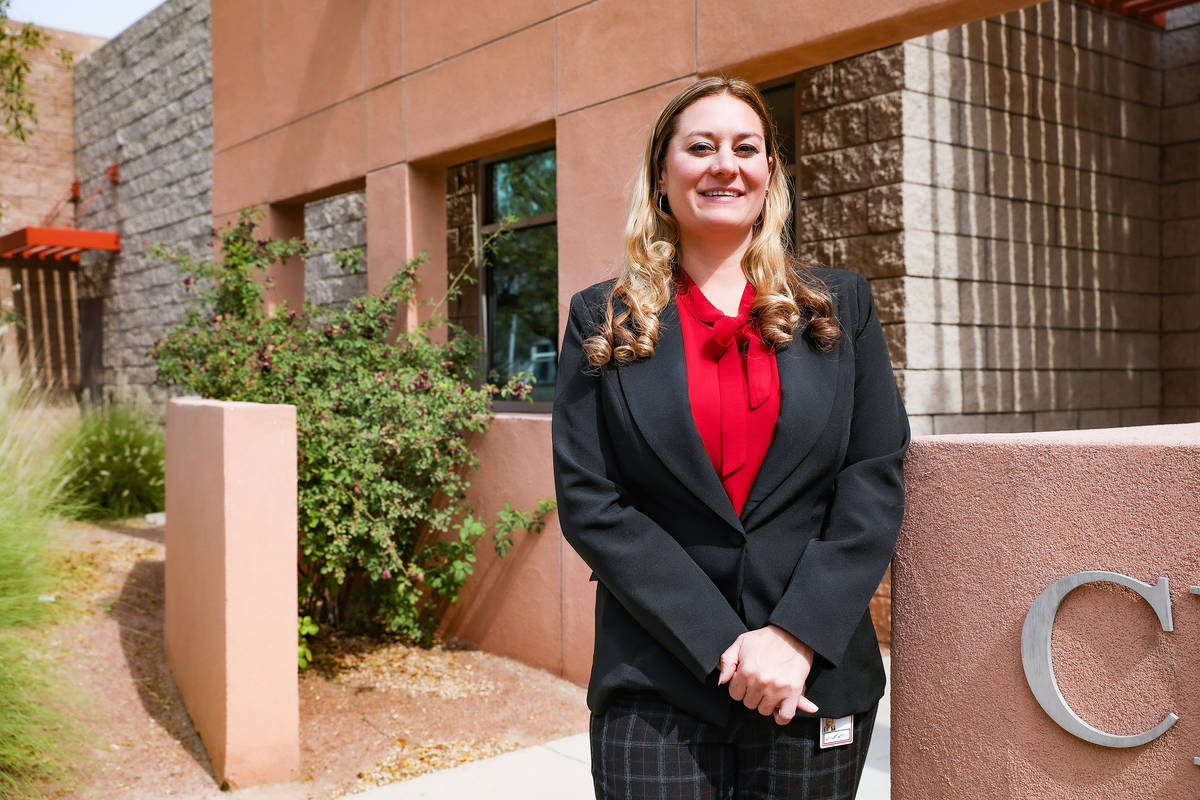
993, 520
230, 624
535, 605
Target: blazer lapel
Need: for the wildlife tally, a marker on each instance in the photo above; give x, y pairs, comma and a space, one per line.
656, 390
808, 380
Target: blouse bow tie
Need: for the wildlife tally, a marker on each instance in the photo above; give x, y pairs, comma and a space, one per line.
731, 336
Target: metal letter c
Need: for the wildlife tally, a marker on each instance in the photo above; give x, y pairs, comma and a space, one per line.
1039, 666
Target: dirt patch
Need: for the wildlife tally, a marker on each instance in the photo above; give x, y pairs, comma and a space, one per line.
371, 711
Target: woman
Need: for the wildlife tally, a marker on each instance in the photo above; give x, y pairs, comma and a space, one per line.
728, 445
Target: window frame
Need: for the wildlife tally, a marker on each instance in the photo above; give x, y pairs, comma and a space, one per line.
482, 231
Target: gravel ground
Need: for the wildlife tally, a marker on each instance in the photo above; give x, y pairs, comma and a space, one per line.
371, 711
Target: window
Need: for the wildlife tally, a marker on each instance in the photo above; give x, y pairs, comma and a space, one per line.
520, 280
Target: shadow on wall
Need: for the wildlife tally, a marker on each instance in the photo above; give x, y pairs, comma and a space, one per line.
138, 610
1032, 186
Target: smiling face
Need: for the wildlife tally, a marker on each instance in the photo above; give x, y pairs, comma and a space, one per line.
715, 169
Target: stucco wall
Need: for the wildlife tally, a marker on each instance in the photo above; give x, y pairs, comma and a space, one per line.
992, 520
536, 604
144, 102
229, 625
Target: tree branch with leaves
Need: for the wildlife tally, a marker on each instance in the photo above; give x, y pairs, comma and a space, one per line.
17, 47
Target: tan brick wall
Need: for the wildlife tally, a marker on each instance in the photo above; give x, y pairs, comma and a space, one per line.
38, 172
34, 175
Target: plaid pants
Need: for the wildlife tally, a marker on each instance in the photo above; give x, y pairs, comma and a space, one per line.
643, 748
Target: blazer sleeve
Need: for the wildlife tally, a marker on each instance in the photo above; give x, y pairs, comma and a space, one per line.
641, 564
837, 574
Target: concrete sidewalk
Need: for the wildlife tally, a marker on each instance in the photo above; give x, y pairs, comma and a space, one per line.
561, 770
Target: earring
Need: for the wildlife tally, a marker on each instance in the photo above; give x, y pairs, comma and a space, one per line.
664, 205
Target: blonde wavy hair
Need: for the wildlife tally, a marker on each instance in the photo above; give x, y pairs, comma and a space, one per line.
787, 292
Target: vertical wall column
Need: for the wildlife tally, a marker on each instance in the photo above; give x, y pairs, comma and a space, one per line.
286, 221
406, 216
231, 583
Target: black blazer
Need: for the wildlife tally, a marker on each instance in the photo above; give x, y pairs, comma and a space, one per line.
680, 574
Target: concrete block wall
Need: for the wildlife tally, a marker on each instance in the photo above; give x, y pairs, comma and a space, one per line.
849, 172
144, 102
336, 222
1031, 222
1180, 279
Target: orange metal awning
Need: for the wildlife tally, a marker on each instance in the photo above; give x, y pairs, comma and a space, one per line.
55, 244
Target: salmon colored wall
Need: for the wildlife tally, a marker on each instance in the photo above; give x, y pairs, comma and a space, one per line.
230, 627
769, 38
536, 604
993, 520
311, 97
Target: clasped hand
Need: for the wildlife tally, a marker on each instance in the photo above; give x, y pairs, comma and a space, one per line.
766, 670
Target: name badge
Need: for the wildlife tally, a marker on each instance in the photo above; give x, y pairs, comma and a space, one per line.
835, 732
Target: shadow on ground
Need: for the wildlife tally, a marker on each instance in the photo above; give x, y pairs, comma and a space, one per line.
138, 611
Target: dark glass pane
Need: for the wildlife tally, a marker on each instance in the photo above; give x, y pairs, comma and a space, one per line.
522, 187
523, 306
782, 103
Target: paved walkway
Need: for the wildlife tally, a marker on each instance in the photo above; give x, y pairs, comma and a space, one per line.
561, 770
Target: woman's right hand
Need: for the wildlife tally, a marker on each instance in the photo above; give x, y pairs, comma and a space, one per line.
766, 669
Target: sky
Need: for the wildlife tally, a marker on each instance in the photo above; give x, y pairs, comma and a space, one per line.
104, 18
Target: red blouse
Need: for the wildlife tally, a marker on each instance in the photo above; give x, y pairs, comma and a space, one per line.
736, 423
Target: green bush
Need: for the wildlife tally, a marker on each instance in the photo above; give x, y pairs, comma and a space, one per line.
114, 463
34, 736
386, 535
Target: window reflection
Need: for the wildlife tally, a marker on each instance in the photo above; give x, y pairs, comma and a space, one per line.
522, 187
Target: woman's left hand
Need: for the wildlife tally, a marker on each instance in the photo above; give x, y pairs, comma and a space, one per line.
766, 670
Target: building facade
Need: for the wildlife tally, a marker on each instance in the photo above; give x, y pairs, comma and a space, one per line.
35, 181
1018, 188
1018, 182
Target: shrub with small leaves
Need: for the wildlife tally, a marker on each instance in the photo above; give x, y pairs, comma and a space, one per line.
305, 628
114, 463
386, 535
